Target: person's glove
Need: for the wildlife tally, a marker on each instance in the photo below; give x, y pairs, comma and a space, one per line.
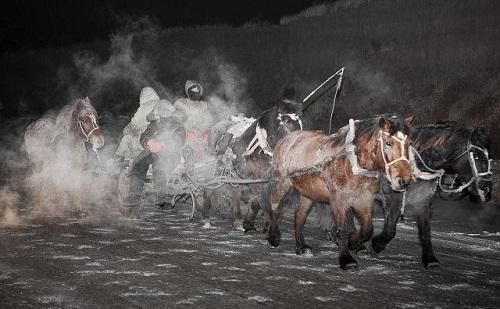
153, 145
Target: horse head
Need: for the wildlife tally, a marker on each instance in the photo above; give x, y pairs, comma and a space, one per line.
86, 123
285, 118
473, 164
386, 143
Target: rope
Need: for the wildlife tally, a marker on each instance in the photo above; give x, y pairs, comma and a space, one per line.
339, 82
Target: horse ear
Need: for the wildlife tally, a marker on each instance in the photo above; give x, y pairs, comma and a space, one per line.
408, 123
384, 124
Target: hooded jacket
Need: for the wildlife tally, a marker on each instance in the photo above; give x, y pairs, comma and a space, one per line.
129, 146
147, 101
198, 117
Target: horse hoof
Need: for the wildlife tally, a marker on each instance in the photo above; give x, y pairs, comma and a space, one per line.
251, 229
273, 242
361, 249
377, 248
307, 252
303, 250
348, 262
239, 228
271, 245
432, 263
350, 266
206, 225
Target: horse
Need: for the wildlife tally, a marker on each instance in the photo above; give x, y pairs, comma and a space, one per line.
252, 152
441, 147
59, 147
344, 170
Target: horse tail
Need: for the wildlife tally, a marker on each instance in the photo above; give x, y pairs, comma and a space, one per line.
324, 217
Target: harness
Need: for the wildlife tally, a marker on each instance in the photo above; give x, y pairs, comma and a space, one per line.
260, 137
350, 152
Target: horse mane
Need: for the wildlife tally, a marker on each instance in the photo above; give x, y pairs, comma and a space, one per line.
437, 143
367, 128
438, 134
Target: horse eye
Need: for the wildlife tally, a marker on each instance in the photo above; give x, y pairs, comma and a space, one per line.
388, 143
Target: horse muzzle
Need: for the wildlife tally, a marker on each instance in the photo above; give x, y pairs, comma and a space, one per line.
96, 140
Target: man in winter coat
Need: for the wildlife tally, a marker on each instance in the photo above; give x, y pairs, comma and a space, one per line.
198, 118
162, 141
130, 147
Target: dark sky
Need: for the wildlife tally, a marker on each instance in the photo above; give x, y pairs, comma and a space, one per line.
32, 24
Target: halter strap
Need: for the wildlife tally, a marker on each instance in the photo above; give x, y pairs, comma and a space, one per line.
260, 137
94, 127
292, 116
353, 158
401, 138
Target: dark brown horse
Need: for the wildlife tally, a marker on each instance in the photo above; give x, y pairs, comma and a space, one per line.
454, 150
343, 170
253, 160
57, 150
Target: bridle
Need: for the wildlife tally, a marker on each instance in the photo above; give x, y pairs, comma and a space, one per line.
260, 138
477, 176
292, 116
95, 127
401, 139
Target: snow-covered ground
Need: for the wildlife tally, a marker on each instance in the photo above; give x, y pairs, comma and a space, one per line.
162, 260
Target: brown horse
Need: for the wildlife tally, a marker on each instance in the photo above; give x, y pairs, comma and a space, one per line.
57, 150
343, 170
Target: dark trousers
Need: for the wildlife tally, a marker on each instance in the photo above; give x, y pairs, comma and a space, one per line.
163, 163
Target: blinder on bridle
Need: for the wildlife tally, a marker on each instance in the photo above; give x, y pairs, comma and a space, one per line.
93, 121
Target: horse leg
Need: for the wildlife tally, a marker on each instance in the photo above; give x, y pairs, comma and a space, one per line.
390, 202
365, 218
263, 202
422, 201
290, 198
235, 202
341, 216
253, 210
206, 206
301, 213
